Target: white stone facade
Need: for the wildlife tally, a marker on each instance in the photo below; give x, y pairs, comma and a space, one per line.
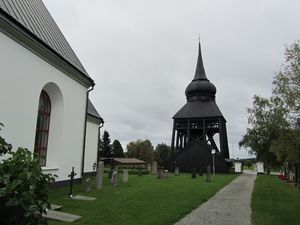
23, 76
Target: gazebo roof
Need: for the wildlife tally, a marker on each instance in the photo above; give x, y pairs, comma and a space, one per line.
126, 160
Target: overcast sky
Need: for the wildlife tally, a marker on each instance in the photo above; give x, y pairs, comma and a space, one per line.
142, 54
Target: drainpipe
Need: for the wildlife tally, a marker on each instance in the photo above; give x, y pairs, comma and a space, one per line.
84, 135
100, 126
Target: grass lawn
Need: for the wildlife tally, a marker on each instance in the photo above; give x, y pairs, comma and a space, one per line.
252, 167
275, 202
143, 200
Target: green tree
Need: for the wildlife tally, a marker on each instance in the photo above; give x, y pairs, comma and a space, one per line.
105, 146
162, 153
287, 91
23, 187
117, 149
274, 123
286, 146
141, 149
287, 84
266, 122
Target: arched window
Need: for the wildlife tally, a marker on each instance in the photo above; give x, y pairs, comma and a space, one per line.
42, 128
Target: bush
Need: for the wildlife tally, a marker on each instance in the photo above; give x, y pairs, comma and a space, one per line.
23, 187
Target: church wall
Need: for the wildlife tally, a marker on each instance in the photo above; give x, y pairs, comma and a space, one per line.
23, 76
91, 146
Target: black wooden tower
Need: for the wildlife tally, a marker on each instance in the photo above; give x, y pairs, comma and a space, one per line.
196, 125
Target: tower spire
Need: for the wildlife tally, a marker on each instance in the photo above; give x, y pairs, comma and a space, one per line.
200, 72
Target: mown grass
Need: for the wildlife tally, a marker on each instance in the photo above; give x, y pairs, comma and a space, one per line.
275, 202
143, 200
252, 167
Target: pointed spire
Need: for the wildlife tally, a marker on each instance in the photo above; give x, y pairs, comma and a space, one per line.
200, 72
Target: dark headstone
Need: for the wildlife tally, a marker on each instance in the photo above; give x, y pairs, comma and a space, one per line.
140, 173
208, 176
194, 174
200, 173
110, 174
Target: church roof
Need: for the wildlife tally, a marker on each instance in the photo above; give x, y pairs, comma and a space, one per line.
91, 110
198, 109
32, 17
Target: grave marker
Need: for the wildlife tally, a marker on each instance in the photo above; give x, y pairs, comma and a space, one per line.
125, 176
208, 177
114, 179
154, 167
71, 175
99, 175
176, 172
194, 174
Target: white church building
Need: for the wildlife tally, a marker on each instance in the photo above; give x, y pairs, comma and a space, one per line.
44, 91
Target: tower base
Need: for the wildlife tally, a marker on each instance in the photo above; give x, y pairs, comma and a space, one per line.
197, 155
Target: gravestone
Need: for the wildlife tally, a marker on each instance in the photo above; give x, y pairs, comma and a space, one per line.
154, 167
125, 176
200, 173
176, 172
114, 179
260, 167
208, 177
163, 174
237, 167
99, 175
149, 167
140, 172
194, 173
87, 184
83, 198
61, 216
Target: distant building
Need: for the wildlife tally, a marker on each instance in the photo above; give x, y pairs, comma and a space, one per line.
44, 91
196, 124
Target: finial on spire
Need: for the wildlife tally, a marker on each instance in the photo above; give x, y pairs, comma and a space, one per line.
199, 37
200, 72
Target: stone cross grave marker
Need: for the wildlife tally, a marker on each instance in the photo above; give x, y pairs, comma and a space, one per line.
208, 177
125, 176
71, 175
114, 179
99, 175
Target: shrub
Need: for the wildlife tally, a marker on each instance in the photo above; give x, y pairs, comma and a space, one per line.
23, 187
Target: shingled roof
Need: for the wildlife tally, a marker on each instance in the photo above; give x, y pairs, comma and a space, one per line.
93, 112
198, 109
33, 17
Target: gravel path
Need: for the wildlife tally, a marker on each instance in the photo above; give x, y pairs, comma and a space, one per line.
230, 206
